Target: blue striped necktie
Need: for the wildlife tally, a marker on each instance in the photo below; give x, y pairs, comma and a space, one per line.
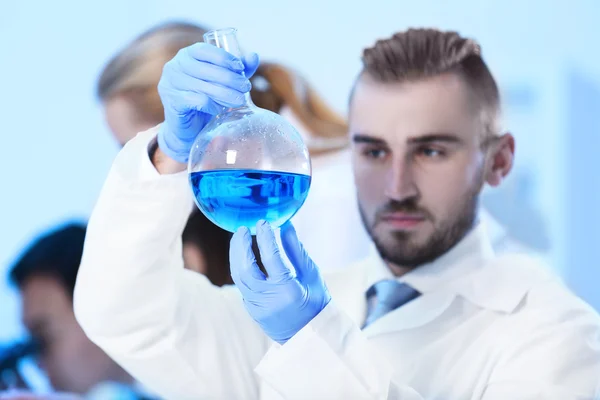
390, 294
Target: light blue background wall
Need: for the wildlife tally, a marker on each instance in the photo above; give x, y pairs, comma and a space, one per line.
55, 148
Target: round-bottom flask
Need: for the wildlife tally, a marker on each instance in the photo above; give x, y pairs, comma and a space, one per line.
248, 164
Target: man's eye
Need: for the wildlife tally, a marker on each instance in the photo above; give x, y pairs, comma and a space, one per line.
431, 152
375, 153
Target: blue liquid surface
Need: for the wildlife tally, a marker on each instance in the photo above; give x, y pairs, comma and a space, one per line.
232, 198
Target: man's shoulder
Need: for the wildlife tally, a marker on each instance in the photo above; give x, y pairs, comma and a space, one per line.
558, 304
546, 296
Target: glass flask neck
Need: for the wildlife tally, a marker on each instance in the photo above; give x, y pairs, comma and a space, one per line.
226, 39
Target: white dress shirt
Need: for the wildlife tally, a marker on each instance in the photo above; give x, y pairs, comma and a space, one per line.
485, 327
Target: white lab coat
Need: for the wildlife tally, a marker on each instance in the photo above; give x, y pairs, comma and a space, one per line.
486, 327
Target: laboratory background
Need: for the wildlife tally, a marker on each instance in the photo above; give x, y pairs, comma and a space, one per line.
56, 149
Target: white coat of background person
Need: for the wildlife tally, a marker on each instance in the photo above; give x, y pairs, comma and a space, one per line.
425, 141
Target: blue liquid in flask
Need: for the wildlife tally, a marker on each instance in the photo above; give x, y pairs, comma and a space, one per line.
232, 198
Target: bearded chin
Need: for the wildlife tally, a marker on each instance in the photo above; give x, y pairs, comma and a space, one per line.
401, 249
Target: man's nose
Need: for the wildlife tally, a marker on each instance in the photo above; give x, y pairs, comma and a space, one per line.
400, 183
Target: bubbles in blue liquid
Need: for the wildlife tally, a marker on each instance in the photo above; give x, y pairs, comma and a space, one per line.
232, 198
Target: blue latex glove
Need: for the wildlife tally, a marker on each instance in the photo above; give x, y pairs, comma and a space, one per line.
285, 301
195, 85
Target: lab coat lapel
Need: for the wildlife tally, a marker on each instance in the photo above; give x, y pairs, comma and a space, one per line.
347, 289
414, 314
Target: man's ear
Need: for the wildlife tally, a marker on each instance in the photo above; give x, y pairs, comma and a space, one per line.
501, 159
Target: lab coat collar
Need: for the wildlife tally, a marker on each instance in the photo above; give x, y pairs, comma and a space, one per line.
467, 255
470, 270
494, 229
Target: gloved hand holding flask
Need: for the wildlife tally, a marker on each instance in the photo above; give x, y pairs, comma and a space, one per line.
283, 302
195, 86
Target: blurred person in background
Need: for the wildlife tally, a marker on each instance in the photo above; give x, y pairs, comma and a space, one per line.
45, 275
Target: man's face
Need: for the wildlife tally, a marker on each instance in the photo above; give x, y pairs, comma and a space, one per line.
419, 165
73, 363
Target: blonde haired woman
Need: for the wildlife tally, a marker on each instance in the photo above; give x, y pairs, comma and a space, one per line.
328, 223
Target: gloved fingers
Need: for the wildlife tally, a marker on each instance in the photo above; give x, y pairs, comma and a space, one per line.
175, 146
222, 95
269, 253
296, 253
291, 244
244, 270
185, 101
251, 62
212, 54
212, 73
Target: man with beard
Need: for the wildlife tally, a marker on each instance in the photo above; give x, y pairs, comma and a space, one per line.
433, 314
